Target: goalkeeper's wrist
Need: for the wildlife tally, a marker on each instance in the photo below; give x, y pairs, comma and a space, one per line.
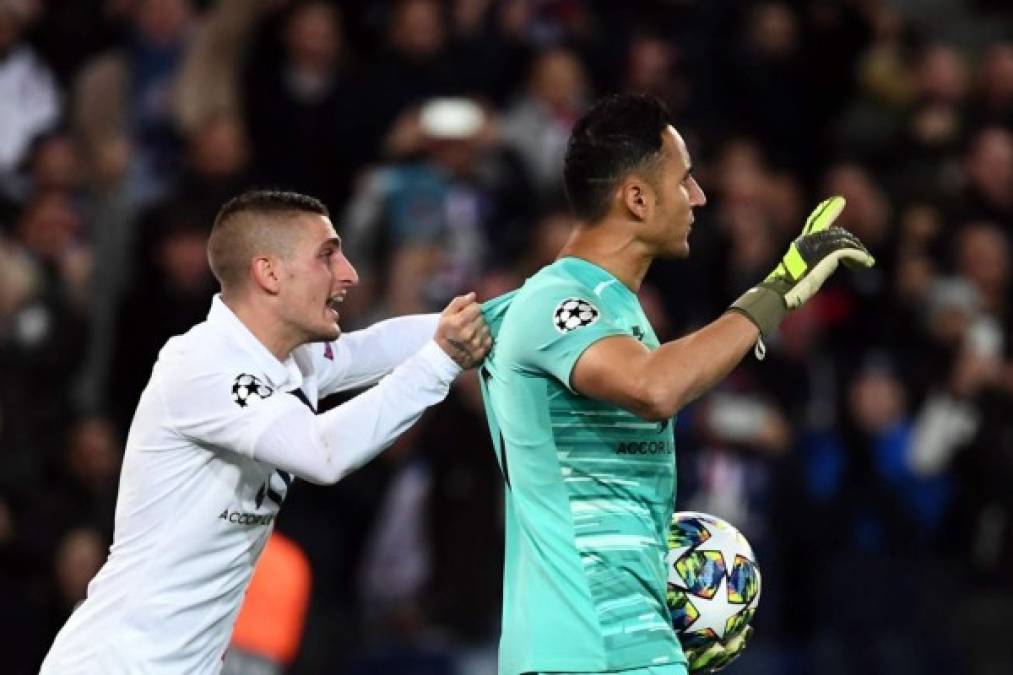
763, 306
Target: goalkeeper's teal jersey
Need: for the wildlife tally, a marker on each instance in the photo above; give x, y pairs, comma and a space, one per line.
590, 486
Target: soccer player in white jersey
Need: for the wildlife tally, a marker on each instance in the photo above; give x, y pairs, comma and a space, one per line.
228, 418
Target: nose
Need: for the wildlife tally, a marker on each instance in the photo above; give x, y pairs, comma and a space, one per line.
345, 272
696, 194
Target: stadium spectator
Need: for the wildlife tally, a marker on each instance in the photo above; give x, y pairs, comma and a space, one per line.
123, 99
269, 628
307, 104
430, 226
993, 104
170, 294
538, 124
210, 78
988, 166
30, 94
414, 64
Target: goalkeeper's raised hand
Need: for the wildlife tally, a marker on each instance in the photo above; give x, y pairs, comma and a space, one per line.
717, 656
810, 260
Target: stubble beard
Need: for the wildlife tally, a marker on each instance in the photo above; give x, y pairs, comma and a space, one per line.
330, 336
319, 334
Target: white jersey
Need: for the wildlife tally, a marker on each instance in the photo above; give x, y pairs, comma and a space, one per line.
217, 434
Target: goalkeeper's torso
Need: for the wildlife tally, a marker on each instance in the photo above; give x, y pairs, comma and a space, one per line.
590, 487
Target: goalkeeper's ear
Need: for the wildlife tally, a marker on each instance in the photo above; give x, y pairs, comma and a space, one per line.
634, 194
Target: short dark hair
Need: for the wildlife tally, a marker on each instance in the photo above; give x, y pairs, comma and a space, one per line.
241, 229
270, 202
619, 134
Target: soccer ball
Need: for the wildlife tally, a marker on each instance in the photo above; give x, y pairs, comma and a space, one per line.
713, 580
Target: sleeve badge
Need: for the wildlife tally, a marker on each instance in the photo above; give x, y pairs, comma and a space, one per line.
574, 313
247, 390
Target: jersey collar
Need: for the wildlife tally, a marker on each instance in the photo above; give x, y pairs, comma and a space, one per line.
594, 275
225, 320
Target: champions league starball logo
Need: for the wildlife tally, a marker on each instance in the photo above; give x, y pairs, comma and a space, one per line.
247, 389
574, 313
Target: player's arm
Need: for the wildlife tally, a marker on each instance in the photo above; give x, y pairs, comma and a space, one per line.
324, 448
360, 358
280, 430
655, 385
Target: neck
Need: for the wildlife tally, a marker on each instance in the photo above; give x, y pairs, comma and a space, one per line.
611, 245
264, 325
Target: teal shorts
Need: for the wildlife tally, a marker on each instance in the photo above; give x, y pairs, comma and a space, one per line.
671, 669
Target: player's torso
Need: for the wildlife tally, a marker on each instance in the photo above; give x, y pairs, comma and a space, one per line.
191, 522
591, 488
201, 505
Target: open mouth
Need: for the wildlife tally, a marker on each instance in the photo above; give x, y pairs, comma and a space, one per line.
333, 302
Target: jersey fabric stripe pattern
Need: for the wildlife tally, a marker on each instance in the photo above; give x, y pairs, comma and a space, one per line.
591, 489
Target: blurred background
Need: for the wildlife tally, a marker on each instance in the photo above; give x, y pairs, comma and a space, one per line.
869, 459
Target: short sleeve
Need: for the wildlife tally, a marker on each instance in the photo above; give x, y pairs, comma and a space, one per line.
555, 326
223, 409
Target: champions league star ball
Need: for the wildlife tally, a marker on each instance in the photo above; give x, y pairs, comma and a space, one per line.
713, 580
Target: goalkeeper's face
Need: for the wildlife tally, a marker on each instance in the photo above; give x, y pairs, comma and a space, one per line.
317, 275
676, 195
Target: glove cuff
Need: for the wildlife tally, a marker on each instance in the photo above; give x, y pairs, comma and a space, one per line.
763, 306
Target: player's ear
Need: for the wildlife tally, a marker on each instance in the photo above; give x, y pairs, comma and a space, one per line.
635, 195
265, 274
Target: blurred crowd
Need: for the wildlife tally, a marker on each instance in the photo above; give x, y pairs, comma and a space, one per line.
869, 458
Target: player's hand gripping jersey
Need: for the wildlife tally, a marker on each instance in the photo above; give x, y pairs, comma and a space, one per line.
590, 488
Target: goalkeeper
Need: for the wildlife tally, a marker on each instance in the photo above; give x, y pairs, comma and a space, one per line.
580, 398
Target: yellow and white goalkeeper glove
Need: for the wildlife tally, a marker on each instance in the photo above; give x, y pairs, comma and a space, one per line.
810, 260
718, 655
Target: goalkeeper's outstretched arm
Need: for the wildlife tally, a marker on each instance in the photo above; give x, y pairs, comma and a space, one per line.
656, 384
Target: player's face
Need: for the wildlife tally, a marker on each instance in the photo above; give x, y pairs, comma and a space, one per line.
678, 194
317, 277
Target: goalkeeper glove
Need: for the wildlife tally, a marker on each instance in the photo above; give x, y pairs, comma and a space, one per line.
718, 655
810, 260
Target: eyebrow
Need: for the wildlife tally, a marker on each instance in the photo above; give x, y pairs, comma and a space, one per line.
333, 241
